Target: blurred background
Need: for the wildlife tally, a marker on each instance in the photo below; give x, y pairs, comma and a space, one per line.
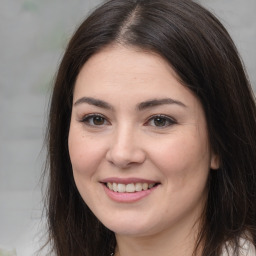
33, 36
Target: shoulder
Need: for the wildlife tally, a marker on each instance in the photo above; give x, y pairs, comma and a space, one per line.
247, 248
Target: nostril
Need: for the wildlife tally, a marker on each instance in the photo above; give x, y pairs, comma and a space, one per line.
124, 157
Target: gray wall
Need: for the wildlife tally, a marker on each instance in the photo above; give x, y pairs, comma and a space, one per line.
239, 17
33, 35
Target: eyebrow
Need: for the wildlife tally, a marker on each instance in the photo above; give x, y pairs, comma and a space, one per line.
141, 106
93, 101
158, 102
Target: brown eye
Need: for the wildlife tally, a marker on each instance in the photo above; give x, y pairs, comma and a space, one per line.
161, 121
98, 120
95, 120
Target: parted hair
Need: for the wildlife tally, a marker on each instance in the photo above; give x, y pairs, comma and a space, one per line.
205, 59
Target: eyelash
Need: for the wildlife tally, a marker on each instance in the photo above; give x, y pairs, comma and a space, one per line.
165, 121
168, 121
88, 119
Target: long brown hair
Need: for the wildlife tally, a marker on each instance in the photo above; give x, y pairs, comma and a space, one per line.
205, 59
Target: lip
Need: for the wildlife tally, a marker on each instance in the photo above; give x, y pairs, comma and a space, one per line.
128, 197
128, 180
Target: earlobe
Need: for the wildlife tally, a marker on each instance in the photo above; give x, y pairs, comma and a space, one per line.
215, 162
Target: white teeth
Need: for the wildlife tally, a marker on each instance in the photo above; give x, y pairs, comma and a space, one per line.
121, 188
114, 187
129, 188
145, 186
110, 186
138, 187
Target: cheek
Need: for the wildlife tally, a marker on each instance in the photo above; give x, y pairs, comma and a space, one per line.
182, 158
85, 153
86, 157
184, 163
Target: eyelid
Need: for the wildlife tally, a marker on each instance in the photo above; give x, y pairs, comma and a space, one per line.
171, 120
86, 120
87, 117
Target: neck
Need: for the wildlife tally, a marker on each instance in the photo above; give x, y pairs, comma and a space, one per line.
167, 243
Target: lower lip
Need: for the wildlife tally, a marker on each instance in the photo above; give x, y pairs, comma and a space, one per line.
128, 197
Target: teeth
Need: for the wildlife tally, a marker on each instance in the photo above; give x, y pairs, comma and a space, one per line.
150, 185
114, 187
138, 187
110, 186
129, 188
121, 188
145, 186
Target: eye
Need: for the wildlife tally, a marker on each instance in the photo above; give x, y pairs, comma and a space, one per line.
95, 120
161, 121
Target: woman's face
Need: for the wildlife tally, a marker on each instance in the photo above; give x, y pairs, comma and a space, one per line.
138, 143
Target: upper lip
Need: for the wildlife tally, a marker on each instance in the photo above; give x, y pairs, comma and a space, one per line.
128, 180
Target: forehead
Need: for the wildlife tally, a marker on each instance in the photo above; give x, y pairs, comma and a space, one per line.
123, 72
116, 59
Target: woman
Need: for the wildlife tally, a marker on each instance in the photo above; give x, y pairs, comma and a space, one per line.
152, 136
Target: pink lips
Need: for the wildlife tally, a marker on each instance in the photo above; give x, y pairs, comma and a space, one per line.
127, 197
127, 180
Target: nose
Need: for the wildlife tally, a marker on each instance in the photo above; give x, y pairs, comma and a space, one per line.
125, 149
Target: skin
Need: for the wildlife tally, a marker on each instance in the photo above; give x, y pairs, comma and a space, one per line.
128, 141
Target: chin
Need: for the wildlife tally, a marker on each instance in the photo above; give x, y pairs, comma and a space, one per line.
126, 227
131, 231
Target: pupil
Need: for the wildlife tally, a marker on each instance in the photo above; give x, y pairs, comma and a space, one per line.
160, 121
98, 120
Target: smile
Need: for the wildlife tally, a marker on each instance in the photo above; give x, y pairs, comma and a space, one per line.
129, 188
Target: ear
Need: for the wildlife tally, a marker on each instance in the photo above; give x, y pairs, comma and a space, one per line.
215, 162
